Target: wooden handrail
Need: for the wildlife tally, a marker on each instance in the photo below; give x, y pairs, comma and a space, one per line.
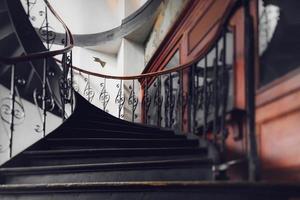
44, 54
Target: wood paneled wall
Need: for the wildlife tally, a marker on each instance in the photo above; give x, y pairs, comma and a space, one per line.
278, 104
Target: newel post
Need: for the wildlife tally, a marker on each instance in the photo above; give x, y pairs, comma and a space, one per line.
253, 162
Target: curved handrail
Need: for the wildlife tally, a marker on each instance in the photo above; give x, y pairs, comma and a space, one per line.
199, 56
131, 23
45, 54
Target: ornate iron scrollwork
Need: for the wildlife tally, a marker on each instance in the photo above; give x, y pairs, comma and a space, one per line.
158, 100
104, 96
38, 101
6, 111
88, 92
147, 102
46, 32
133, 101
120, 99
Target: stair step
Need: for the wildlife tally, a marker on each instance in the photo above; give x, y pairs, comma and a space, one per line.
153, 190
181, 169
65, 132
73, 159
76, 156
116, 152
80, 143
115, 126
104, 116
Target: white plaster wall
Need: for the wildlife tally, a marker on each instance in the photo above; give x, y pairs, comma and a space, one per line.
132, 5
133, 65
84, 81
85, 17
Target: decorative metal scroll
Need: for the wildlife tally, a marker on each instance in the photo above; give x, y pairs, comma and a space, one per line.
133, 101
88, 92
120, 99
104, 96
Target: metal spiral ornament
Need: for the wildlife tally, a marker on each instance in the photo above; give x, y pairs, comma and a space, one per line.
147, 103
88, 92
38, 101
46, 32
6, 111
158, 100
65, 89
104, 96
120, 99
133, 101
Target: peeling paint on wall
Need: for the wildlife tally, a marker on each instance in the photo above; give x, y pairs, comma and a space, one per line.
170, 11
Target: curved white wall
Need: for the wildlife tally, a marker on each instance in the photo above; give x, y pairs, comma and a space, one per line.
86, 17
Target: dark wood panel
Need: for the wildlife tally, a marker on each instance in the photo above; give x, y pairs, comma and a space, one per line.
210, 17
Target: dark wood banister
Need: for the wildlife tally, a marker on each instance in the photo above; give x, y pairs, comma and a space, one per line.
44, 54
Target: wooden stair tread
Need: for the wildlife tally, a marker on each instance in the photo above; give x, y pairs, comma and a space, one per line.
106, 166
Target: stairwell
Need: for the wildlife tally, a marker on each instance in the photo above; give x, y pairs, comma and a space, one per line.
94, 155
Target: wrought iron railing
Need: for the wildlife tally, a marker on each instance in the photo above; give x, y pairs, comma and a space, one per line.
164, 101
32, 84
194, 97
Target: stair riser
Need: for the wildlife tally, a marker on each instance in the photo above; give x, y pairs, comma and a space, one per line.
96, 134
151, 195
86, 160
117, 127
134, 152
50, 145
174, 174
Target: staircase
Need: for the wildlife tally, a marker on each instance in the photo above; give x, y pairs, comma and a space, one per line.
94, 155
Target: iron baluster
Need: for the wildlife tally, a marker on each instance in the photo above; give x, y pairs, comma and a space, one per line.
104, 97
192, 100
45, 67
147, 102
47, 28
215, 93
87, 90
13, 98
158, 100
28, 7
70, 65
181, 100
198, 98
167, 101
205, 108
133, 101
133, 92
224, 83
171, 104
253, 161
44, 96
120, 100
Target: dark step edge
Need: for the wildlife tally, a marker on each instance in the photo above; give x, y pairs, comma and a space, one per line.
166, 164
131, 132
80, 139
101, 150
132, 126
290, 189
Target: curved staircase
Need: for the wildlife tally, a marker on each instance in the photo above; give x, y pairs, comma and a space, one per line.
94, 155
